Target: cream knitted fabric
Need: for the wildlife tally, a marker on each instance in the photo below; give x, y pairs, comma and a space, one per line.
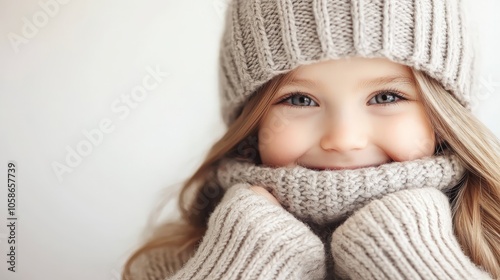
326, 196
157, 264
404, 235
248, 237
264, 38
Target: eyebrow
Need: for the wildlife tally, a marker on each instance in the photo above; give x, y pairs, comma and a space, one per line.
396, 79
380, 81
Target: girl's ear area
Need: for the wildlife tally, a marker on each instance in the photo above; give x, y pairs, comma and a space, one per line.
438, 138
247, 150
254, 142
441, 144
258, 160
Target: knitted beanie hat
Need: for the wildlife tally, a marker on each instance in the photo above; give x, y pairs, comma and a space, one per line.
264, 38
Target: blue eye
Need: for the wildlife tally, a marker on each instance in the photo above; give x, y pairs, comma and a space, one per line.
386, 97
300, 100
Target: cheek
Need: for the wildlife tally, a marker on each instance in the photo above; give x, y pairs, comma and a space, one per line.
409, 138
281, 147
278, 148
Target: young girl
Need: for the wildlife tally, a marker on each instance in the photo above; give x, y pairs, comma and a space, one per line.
350, 153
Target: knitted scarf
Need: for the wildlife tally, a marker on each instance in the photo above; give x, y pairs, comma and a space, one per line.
328, 196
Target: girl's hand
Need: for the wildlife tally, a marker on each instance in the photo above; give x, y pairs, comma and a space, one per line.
248, 237
263, 192
404, 235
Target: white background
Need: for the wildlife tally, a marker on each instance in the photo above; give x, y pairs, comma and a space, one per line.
67, 76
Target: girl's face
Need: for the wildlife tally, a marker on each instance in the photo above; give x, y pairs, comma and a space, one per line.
346, 114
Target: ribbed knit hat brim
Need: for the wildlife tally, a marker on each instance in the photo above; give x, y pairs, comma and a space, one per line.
264, 38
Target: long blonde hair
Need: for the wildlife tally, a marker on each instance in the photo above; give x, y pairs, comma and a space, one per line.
476, 216
476, 211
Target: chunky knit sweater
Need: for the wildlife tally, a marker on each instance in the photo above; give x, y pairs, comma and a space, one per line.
387, 222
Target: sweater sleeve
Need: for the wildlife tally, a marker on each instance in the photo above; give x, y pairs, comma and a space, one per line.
248, 237
404, 235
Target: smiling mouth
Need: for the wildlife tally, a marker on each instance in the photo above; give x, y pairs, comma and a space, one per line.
344, 168
338, 168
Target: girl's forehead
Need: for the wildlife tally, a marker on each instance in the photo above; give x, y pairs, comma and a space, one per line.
354, 64
362, 71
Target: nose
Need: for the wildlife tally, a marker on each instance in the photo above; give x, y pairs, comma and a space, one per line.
344, 134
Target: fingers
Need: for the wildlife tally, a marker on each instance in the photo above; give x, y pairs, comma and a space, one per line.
263, 192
